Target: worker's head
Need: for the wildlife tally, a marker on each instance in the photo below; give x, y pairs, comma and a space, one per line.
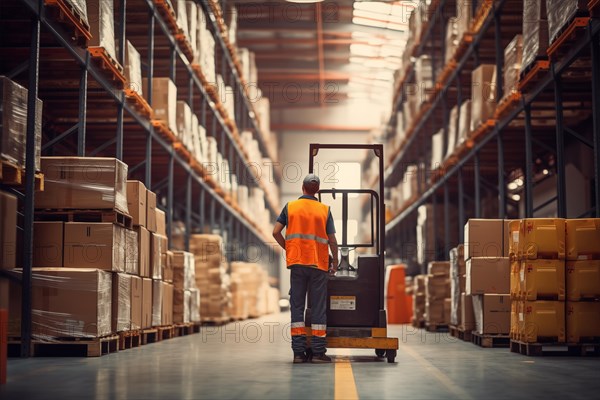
311, 184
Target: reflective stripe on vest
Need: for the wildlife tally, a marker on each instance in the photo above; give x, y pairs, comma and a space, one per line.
306, 241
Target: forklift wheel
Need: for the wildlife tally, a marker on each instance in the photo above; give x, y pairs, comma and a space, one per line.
380, 353
391, 355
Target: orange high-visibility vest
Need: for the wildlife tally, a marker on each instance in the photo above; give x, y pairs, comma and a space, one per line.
306, 240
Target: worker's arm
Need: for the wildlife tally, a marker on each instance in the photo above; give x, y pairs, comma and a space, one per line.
334, 250
277, 234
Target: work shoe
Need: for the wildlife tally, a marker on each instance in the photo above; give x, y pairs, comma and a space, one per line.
320, 358
300, 358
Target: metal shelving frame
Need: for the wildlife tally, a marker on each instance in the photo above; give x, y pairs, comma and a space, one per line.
401, 228
201, 207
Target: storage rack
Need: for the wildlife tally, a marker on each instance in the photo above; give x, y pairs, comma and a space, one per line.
88, 114
513, 141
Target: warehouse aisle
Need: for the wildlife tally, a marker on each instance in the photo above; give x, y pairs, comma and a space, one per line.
252, 360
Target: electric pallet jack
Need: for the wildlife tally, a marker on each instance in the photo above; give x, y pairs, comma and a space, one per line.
356, 315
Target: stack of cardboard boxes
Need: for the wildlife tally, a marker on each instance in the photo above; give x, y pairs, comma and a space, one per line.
556, 261
535, 32
437, 290
488, 275
538, 246
458, 280
419, 300
583, 279
186, 296
211, 276
513, 57
251, 294
123, 276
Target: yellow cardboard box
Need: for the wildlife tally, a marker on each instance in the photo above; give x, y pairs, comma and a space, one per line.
539, 320
583, 238
583, 321
583, 280
542, 279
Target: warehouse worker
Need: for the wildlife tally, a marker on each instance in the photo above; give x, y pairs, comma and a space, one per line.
310, 233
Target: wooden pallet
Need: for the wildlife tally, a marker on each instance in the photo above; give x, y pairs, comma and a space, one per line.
436, 327
568, 34
165, 9
184, 329
166, 332
68, 347
13, 175
69, 17
507, 104
111, 67
185, 46
139, 103
460, 333
532, 74
107, 215
480, 17
480, 132
164, 130
489, 341
149, 335
130, 339
215, 321
555, 349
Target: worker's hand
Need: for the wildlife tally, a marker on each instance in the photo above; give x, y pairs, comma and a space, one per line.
332, 271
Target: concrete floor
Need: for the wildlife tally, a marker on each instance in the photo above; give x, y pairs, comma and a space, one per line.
252, 360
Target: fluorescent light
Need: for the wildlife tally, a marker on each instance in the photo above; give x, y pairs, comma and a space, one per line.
512, 186
519, 182
545, 172
516, 197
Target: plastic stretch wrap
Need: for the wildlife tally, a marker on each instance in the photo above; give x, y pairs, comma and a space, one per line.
132, 265
181, 311
193, 143
192, 21
100, 245
561, 12
437, 149
535, 31
156, 256
66, 302
513, 56
157, 302
121, 302
452, 131
464, 127
464, 16
102, 25
83, 183
451, 39
184, 122
81, 7
13, 123
182, 17
454, 288
194, 305
133, 69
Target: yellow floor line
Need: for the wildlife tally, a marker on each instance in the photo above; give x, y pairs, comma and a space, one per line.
439, 375
345, 386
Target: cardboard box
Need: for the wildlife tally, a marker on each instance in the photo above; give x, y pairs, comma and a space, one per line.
179, 306
132, 257
583, 321
167, 305
542, 319
582, 238
8, 231
514, 320
437, 287
121, 302
542, 279
194, 305
434, 312
143, 251
483, 238
164, 101
583, 280
492, 314
506, 236
151, 211
55, 313
542, 238
48, 244
136, 202
167, 266
156, 256
95, 245
101, 19
161, 222
447, 310
83, 183
147, 303
439, 268
157, 302
133, 69
137, 301
515, 279
483, 101
488, 275
512, 228
467, 316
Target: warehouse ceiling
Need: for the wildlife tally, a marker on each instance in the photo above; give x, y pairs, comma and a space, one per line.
326, 53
